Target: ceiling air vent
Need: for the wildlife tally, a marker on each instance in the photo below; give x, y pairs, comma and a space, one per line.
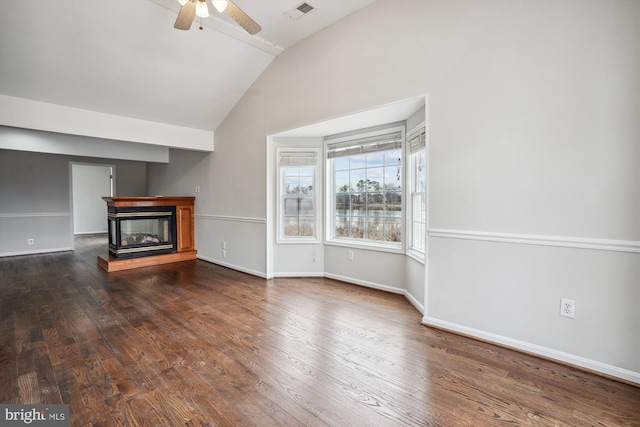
299, 11
305, 8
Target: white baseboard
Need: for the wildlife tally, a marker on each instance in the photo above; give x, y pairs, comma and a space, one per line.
34, 252
549, 353
365, 283
233, 266
297, 274
414, 302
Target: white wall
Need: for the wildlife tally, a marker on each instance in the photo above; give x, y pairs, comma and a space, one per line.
35, 141
533, 158
29, 114
293, 259
89, 184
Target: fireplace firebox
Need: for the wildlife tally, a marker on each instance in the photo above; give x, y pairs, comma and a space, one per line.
147, 231
142, 231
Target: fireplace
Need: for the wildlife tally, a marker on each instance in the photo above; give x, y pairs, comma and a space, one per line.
141, 231
146, 231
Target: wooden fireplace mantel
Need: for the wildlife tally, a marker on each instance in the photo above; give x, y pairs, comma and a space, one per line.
184, 224
120, 201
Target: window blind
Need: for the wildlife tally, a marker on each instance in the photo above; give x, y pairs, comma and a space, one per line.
298, 158
417, 140
371, 144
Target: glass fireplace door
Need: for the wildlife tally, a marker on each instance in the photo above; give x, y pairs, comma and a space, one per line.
142, 232
145, 231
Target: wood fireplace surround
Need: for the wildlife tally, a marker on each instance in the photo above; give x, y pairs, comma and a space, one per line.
146, 231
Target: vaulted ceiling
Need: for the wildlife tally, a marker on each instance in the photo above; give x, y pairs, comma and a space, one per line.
123, 57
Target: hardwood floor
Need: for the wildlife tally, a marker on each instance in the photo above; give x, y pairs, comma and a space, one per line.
197, 344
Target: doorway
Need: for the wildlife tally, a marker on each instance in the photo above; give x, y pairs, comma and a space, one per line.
89, 184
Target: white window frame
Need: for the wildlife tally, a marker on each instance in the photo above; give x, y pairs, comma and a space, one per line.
282, 153
329, 204
414, 148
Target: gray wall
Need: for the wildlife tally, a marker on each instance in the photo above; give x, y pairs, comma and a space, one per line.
35, 200
534, 161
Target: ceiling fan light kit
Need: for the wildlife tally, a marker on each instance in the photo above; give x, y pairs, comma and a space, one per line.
220, 5
192, 8
201, 9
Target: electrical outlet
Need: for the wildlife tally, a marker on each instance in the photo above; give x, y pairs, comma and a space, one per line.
350, 255
224, 245
30, 242
197, 188
224, 253
567, 308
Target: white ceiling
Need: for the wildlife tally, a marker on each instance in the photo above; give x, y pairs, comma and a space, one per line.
384, 114
123, 57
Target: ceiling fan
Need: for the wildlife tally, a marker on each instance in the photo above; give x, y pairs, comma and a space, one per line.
192, 8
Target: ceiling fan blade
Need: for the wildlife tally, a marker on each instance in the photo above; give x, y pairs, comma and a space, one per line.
242, 18
186, 15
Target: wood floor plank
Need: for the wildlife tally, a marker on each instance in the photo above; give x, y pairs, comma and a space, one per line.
197, 344
29, 392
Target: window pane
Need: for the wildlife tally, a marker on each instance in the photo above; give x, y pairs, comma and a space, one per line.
342, 182
375, 179
357, 228
375, 159
291, 206
291, 227
290, 171
342, 226
418, 236
341, 163
306, 228
343, 205
305, 171
393, 203
306, 206
358, 180
393, 230
421, 171
357, 162
358, 206
290, 184
375, 229
392, 178
375, 204
306, 185
393, 157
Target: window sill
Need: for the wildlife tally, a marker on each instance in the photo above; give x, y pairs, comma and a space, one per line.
292, 241
365, 245
418, 256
